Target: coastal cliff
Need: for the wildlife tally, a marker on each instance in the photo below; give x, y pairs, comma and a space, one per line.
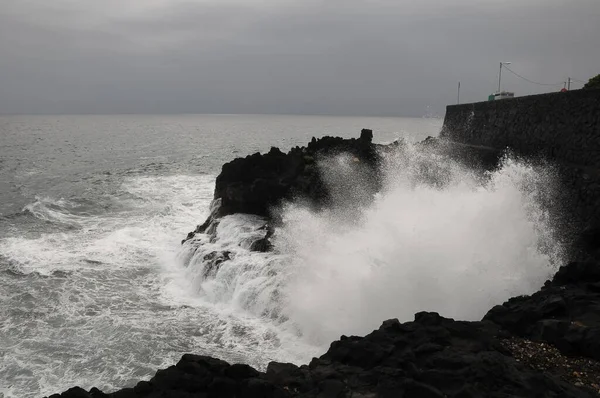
258, 183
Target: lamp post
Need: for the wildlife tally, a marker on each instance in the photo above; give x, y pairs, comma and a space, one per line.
500, 74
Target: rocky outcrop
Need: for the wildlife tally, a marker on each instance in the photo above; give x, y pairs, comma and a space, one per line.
432, 357
264, 244
565, 312
259, 182
213, 261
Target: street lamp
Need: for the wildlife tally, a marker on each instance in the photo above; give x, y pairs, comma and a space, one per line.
500, 74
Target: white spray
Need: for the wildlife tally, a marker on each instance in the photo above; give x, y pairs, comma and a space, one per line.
437, 238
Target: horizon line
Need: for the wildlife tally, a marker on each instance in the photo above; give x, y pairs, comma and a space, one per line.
219, 114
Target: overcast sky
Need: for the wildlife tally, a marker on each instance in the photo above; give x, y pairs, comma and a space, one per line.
341, 57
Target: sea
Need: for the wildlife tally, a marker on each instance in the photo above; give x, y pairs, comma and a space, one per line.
97, 290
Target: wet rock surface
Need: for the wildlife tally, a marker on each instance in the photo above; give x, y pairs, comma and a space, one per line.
581, 372
264, 244
213, 261
565, 312
259, 182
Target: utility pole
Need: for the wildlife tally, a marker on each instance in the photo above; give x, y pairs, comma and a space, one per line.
458, 95
569, 84
500, 74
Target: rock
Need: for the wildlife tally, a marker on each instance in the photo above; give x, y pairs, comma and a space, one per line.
366, 135
577, 273
212, 262
96, 393
124, 393
415, 389
589, 239
264, 244
142, 388
332, 388
289, 375
257, 183
241, 371
430, 357
256, 387
75, 392
222, 387
565, 312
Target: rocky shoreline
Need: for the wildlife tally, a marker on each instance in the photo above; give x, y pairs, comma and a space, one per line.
543, 345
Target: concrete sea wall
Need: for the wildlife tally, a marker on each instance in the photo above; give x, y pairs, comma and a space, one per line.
562, 128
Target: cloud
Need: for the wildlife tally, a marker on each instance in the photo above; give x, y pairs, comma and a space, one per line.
377, 57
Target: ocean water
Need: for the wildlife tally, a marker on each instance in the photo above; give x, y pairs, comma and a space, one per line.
92, 213
97, 289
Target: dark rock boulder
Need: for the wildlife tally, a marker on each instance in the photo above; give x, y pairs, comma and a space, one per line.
78, 392
264, 244
212, 262
565, 312
258, 182
252, 184
588, 241
430, 357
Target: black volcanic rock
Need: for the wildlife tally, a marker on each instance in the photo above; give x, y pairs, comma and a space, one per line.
264, 244
258, 182
565, 312
430, 357
213, 261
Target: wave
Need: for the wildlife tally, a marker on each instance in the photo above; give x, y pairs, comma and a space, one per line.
13, 216
53, 210
438, 237
222, 269
114, 286
151, 213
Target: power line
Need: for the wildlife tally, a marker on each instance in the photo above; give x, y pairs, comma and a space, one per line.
531, 81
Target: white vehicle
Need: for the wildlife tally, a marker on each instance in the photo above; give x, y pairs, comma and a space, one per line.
501, 95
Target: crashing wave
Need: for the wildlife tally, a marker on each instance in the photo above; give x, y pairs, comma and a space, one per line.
437, 236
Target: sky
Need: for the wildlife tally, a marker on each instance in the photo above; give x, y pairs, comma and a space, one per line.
334, 57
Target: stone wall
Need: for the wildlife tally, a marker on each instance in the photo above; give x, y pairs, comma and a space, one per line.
563, 128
